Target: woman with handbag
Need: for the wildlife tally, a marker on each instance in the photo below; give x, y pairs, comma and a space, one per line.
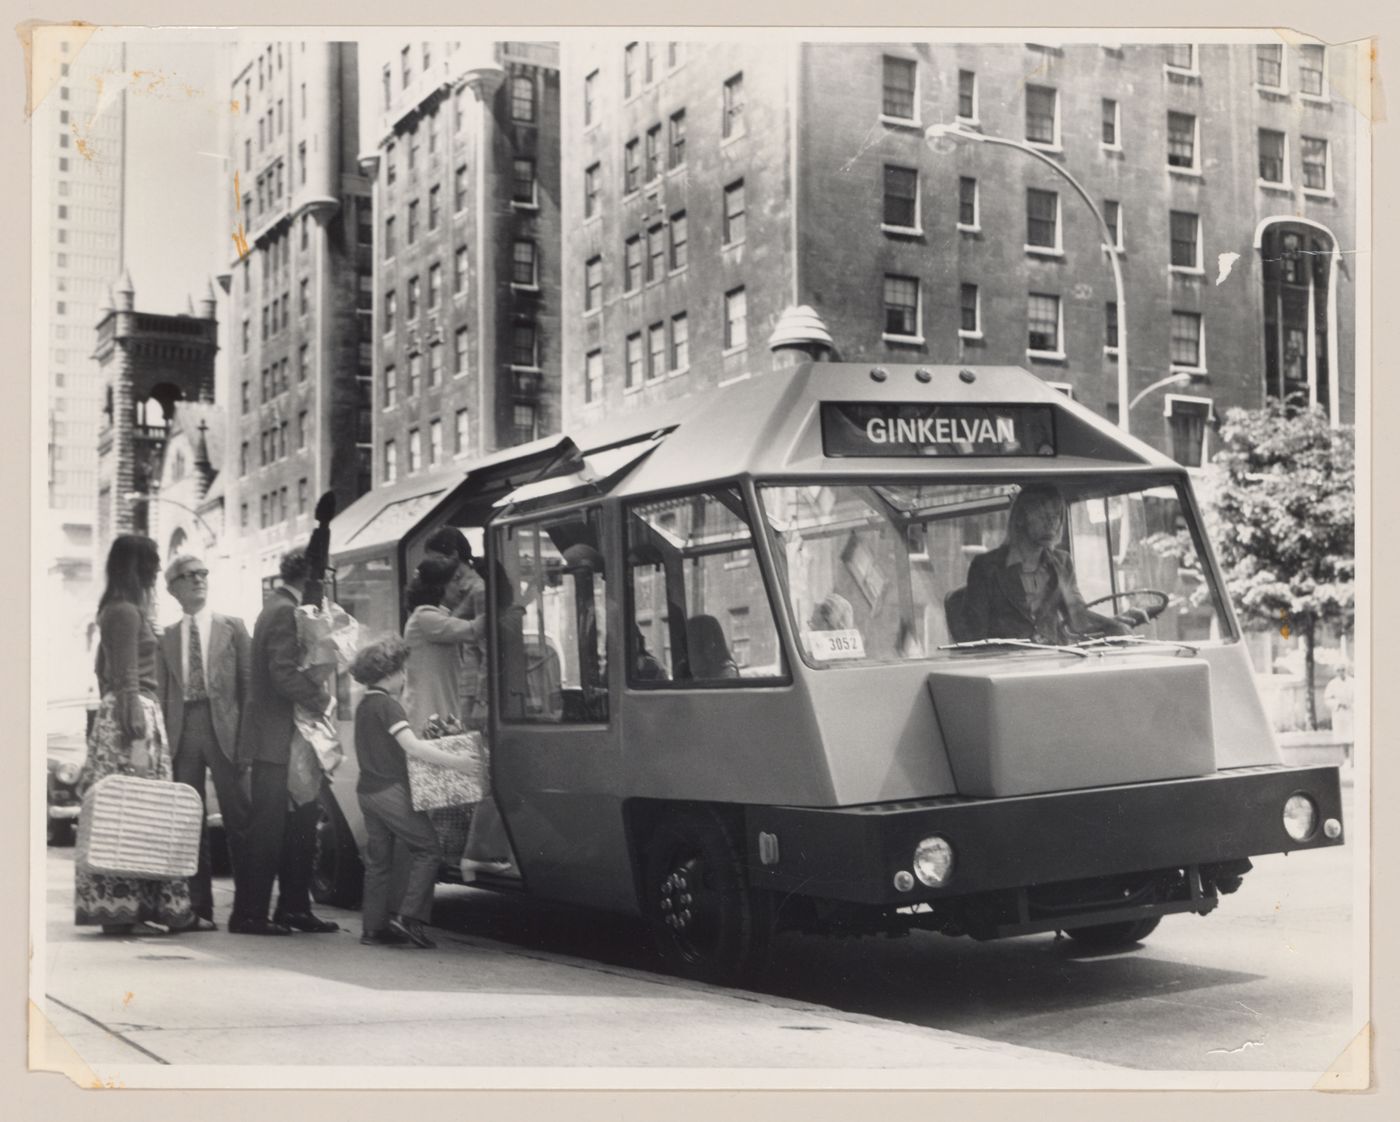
128, 736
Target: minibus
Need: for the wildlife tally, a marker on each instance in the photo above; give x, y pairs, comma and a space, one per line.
780, 657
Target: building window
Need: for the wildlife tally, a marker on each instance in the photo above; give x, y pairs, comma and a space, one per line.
459, 114
653, 153
405, 67
676, 141
732, 121
1043, 115
1108, 128
593, 377
900, 84
591, 177
391, 304
1110, 326
390, 237
459, 189
1186, 341
435, 441
648, 63
304, 296
523, 182
901, 197
593, 284
242, 516
461, 434
680, 342
523, 414
733, 230
629, 69
1181, 141
303, 362
970, 310
459, 271
303, 495
590, 97
901, 306
631, 166
968, 216
301, 162
415, 374
1186, 240
632, 259
522, 267
634, 360
412, 221
1268, 65
301, 430
656, 252
415, 451
391, 386
1043, 321
523, 345
1315, 166
391, 165
459, 352
656, 350
967, 95
434, 286
1181, 56
243, 458
1113, 218
1273, 156
434, 207
247, 331
522, 99
679, 236
413, 293
1311, 60
247, 397
1042, 220
1188, 423
736, 319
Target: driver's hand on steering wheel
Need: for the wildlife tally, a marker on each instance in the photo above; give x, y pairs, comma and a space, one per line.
1132, 617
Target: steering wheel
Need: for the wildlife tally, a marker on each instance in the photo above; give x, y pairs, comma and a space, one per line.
1156, 602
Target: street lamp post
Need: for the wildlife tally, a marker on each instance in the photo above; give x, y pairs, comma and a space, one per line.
143, 497
938, 132
1180, 376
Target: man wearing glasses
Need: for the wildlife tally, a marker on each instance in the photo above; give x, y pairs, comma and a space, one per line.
202, 677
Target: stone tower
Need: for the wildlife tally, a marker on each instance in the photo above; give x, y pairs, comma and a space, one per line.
148, 362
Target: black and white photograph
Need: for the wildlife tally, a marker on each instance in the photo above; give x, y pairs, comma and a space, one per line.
685, 557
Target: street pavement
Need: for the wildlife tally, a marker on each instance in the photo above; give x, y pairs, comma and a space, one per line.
130, 1005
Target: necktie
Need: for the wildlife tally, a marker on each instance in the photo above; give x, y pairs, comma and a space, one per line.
195, 689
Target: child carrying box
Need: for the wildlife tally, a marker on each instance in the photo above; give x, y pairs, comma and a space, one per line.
383, 737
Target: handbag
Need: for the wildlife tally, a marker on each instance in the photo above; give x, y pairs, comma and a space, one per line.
146, 828
432, 786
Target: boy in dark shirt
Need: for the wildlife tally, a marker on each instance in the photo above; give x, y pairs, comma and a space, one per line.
383, 742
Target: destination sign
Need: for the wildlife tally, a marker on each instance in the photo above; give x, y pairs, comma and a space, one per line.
929, 428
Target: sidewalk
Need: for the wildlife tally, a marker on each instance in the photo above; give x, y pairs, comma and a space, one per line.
129, 1006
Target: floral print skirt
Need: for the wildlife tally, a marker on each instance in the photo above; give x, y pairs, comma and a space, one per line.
101, 898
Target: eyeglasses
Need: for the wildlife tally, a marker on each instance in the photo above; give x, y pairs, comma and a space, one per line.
199, 574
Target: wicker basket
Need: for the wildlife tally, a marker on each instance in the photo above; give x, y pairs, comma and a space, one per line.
140, 828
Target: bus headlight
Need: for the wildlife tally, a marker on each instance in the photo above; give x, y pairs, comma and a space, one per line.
933, 861
1300, 817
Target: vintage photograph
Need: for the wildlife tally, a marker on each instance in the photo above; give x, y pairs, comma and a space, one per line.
751, 556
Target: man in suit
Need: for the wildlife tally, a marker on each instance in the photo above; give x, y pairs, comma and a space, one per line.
281, 842
202, 678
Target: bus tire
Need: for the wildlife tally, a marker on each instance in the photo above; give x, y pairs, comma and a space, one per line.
707, 923
337, 877
1110, 936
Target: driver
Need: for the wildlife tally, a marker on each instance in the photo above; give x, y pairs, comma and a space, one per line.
1025, 588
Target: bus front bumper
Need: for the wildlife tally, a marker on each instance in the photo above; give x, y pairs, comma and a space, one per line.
856, 854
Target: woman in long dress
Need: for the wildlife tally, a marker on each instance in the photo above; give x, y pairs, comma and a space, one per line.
128, 736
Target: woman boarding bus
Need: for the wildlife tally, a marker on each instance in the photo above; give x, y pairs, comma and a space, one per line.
853, 649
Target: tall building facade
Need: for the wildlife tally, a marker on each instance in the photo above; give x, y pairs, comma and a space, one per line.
466, 166
710, 187
299, 286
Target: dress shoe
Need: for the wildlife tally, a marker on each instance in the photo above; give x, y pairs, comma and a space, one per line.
412, 930
257, 926
384, 938
305, 921
199, 923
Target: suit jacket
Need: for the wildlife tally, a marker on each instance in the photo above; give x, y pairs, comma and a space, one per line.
996, 606
226, 680
276, 684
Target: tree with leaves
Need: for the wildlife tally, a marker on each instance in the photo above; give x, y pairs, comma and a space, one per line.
1280, 501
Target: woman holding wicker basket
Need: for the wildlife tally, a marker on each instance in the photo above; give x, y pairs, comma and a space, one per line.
128, 736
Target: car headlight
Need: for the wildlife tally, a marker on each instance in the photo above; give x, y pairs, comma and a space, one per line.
933, 861
1300, 817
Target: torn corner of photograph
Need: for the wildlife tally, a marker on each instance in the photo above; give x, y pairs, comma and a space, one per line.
49, 1051
1351, 1070
44, 57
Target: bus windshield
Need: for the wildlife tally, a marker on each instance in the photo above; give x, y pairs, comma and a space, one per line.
895, 571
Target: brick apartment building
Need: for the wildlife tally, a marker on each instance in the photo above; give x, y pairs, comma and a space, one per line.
708, 187
465, 167
299, 286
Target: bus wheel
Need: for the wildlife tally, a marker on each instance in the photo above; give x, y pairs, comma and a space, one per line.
1109, 936
337, 876
707, 923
